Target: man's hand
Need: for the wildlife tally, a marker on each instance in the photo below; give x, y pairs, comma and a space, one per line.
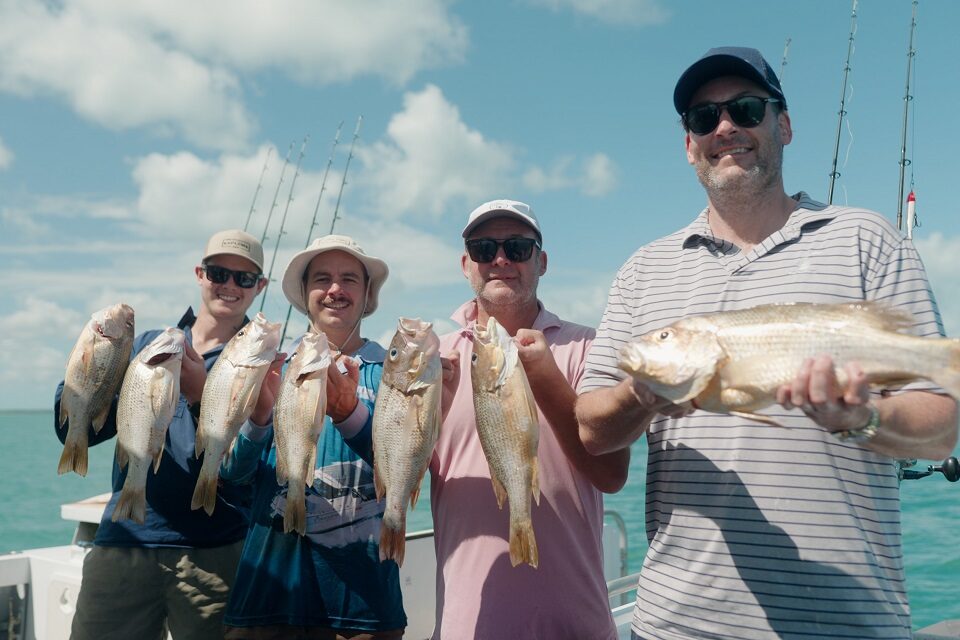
193, 374
824, 398
342, 388
263, 410
535, 354
451, 380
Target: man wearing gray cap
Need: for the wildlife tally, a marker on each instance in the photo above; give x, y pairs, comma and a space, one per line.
328, 583
479, 594
758, 531
174, 569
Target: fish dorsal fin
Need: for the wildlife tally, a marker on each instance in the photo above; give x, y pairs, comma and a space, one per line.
863, 313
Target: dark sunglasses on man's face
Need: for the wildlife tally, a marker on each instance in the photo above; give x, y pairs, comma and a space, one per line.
484, 250
219, 275
746, 111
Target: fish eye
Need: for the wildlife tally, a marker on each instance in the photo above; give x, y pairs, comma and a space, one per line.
394, 353
665, 334
474, 358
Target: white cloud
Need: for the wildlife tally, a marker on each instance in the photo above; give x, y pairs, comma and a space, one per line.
432, 159
315, 41
634, 13
173, 67
941, 257
6, 156
595, 176
118, 78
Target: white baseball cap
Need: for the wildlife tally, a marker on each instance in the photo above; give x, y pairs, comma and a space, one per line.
235, 242
294, 287
506, 209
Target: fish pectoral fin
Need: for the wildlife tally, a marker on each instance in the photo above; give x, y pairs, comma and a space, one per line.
378, 484
415, 495
498, 490
160, 394
157, 458
121, 455
100, 419
535, 479
86, 357
758, 417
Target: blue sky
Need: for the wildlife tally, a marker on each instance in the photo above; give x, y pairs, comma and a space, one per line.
132, 130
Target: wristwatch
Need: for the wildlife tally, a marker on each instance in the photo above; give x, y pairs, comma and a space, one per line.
864, 433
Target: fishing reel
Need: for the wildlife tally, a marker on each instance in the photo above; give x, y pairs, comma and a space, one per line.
950, 468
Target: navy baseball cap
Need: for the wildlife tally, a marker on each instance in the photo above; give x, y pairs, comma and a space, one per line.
726, 61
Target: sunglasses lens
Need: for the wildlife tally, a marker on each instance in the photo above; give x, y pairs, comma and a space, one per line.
518, 249
747, 111
217, 275
244, 279
482, 250
703, 119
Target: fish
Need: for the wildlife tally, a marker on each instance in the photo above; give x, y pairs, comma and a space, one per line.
406, 425
508, 426
734, 361
229, 395
148, 397
95, 370
297, 423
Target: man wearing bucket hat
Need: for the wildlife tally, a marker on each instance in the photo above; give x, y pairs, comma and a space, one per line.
328, 583
760, 531
175, 569
479, 594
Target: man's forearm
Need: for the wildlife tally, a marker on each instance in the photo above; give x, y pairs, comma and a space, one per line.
615, 417
916, 425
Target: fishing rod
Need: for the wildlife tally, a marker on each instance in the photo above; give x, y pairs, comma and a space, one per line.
313, 222
834, 174
283, 219
907, 98
276, 193
336, 209
783, 61
257, 190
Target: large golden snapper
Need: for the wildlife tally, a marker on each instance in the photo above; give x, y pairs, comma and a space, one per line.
508, 426
95, 370
297, 423
734, 361
148, 397
229, 396
406, 425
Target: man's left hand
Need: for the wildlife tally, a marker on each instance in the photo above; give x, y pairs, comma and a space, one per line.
342, 388
824, 399
535, 354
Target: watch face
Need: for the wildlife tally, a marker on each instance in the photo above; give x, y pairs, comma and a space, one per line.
864, 433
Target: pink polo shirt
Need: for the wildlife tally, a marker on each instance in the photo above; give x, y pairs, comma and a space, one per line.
479, 594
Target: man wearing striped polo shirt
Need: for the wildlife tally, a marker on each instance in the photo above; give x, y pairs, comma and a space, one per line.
759, 532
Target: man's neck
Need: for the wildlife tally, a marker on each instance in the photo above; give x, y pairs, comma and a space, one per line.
209, 331
347, 344
748, 221
510, 318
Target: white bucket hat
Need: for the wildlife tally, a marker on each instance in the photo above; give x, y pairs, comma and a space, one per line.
293, 285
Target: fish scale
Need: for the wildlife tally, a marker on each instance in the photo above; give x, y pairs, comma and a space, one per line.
95, 369
406, 425
508, 427
734, 361
148, 398
297, 423
229, 396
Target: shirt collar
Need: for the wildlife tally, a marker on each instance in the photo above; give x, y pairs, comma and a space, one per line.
808, 211
466, 316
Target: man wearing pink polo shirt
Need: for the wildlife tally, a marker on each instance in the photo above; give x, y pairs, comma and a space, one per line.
479, 594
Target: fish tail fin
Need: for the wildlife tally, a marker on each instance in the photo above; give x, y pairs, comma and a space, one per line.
393, 543
523, 544
74, 456
132, 505
295, 513
205, 494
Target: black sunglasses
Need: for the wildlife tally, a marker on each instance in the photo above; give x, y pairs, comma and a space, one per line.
484, 250
746, 111
219, 275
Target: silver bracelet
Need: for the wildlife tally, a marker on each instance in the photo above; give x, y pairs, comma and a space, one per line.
865, 433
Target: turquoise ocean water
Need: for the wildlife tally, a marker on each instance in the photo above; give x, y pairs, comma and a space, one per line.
31, 493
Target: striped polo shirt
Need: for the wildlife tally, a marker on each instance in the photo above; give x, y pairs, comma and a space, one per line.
758, 531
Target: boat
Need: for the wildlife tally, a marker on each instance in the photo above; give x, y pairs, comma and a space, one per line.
39, 587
